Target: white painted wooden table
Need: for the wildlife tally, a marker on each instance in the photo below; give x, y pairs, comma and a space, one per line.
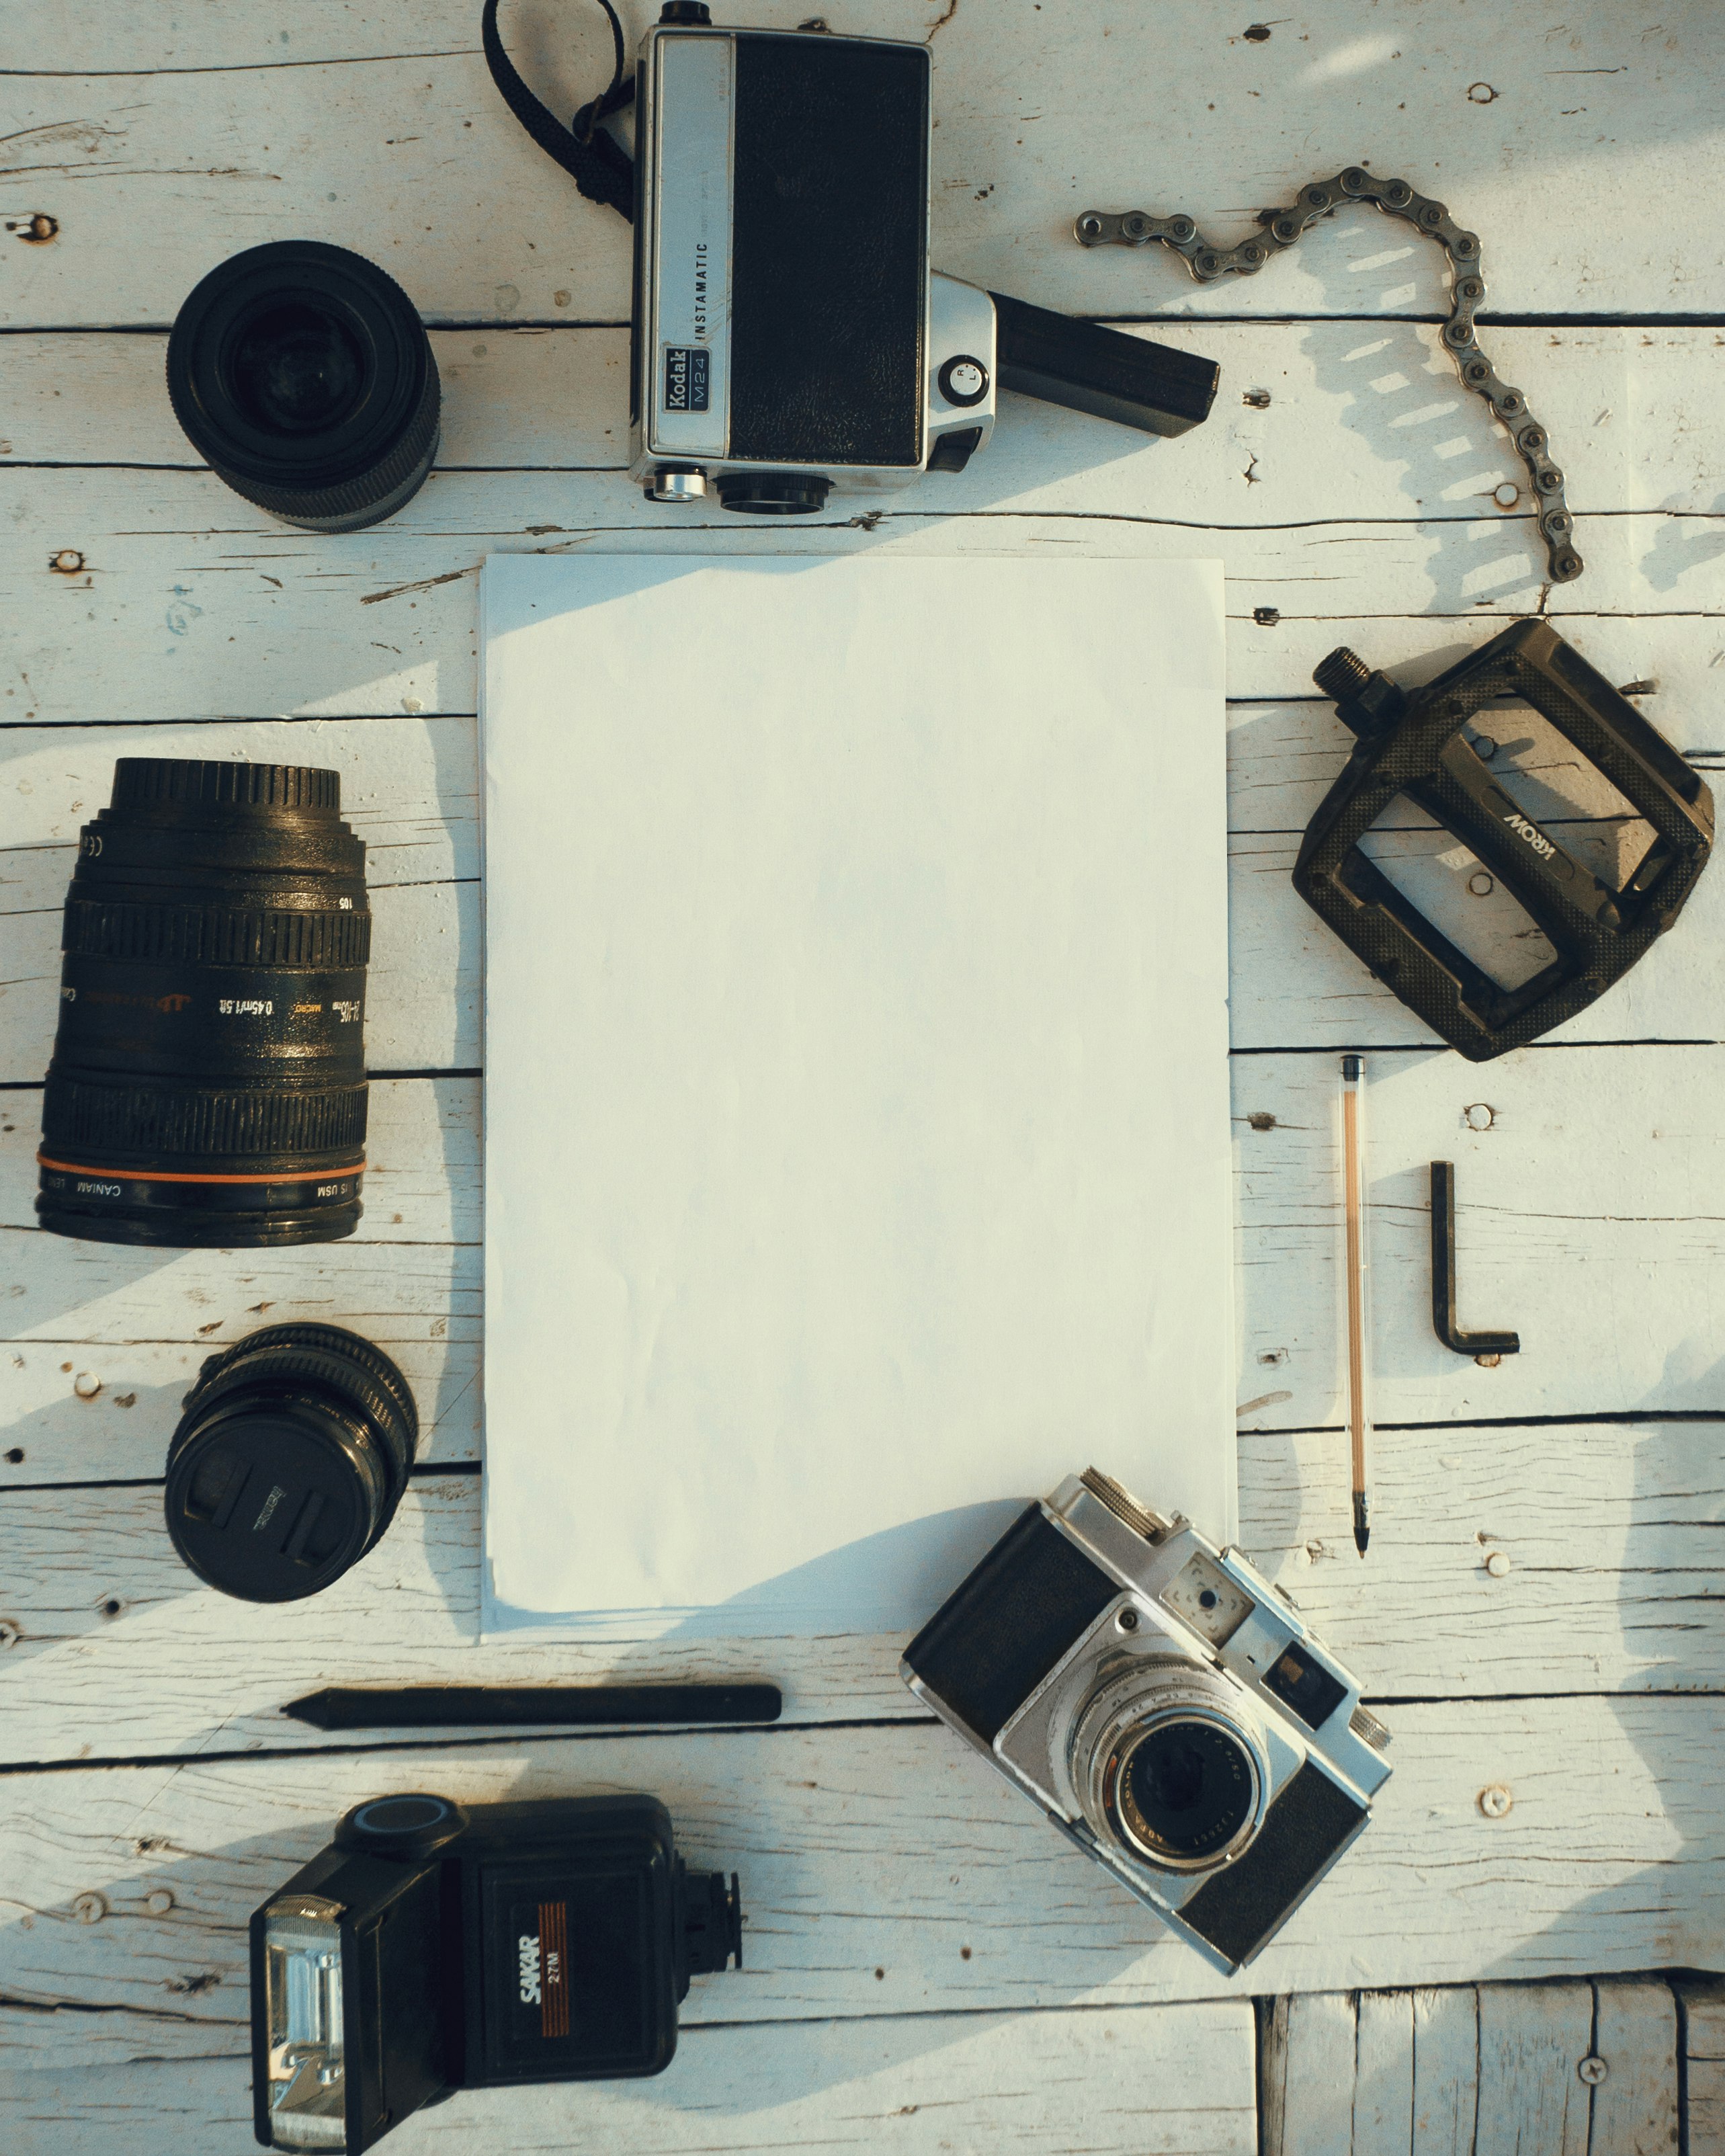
928, 1968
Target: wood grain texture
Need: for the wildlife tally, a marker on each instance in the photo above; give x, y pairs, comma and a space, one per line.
147, 595
1635, 2108
387, 134
1161, 2081
1384, 2075
1446, 2071
1531, 2095
893, 1848
1308, 2109
1700, 2011
116, 1651
1468, 2070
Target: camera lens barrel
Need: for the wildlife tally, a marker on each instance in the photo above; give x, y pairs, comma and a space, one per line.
303, 376
1169, 1765
289, 1461
1184, 1790
207, 1085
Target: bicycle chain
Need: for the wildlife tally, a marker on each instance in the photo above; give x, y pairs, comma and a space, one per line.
1281, 228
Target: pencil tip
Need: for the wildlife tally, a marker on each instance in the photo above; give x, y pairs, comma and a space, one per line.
1361, 1531
1362, 1536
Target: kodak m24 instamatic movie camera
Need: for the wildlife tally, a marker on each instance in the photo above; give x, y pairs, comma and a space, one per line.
789, 335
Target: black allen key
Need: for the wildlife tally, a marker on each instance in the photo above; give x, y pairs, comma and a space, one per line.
1443, 1275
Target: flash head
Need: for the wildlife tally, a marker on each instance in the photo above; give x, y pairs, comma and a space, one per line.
434, 1947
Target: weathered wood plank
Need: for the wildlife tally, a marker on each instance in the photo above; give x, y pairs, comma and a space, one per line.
172, 598
1446, 2071
1532, 2040
1634, 2108
117, 1652
1307, 2106
892, 1847
1701, 2007
1640, 1501
112, 1650
155, 177
1384, 2075
1456, 2072
1351, 420
1158, 2081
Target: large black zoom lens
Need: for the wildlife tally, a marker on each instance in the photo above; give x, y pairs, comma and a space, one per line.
208, 1084
301, 372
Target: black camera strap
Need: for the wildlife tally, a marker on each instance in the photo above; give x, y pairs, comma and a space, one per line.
601, 167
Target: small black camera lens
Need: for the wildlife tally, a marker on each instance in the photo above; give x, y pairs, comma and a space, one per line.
208, 1084
302, 374
1186, 1791
288, 1464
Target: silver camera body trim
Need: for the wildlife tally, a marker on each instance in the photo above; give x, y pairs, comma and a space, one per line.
1205, 1611
681, 431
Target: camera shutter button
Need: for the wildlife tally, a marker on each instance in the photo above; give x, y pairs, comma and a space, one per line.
962, 381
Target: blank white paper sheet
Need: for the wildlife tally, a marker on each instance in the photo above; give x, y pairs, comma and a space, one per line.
857, 1132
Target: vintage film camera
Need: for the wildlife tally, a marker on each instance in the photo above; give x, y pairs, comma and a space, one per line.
1163, 1704
789, 336
431, 1949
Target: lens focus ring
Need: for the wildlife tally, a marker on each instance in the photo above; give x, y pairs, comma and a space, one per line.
1168, 1763
201, 1123
332, 1340
207, 1085
216, 935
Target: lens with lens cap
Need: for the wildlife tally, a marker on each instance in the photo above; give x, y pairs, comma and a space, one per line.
1185, 1790
301, 372
289, 1461
209, 1083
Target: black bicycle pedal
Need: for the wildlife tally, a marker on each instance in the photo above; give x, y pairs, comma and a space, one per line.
1410, 742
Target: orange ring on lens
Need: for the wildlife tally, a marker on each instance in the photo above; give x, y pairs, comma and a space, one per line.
166, 1175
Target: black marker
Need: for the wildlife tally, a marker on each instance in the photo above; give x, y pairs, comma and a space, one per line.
560, 1706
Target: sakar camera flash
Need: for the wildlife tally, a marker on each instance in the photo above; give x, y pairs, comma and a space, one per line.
432, 1949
